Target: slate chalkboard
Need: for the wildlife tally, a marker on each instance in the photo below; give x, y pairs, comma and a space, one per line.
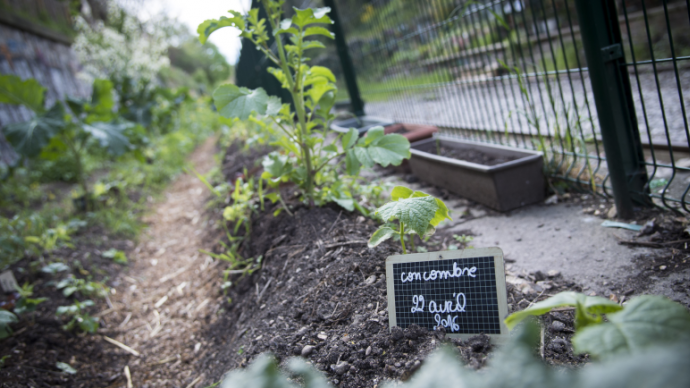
462, 291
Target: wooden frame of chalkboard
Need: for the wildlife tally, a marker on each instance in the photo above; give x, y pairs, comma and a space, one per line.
465, 301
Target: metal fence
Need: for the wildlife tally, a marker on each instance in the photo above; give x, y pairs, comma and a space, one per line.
519, 73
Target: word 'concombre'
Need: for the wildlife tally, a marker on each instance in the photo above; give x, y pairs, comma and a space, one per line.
436, 274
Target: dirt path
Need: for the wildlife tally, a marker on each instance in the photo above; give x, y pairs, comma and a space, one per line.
166, 298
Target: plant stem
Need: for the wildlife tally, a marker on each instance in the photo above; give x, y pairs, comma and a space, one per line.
297, 92
412, 247
402, 237
80, 170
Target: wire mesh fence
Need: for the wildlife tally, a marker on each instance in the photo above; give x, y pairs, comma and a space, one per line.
515, 72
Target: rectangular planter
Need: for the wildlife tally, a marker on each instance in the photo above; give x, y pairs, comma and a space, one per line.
361, 124
502, 187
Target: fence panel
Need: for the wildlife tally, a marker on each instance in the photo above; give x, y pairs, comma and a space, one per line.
514, 72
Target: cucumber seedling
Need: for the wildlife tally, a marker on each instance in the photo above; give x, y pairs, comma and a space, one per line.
417, 213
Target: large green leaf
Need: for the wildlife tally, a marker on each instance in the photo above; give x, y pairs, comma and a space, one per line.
6, 318
102, 101
588, 308
232, 101
381, 234
206, 28
17, 92
352, 164
442, 212
304, 17
385, 150
414, 212
350, 139
276, 164
318, 31
110, 136
645, 321
29, 138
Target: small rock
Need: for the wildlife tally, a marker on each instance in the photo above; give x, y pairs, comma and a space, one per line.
553, 273
360, 219
557, 326
368, 351
479, 342
552, 200
663, 267
341, 367
307, 350
398, 365
397, 333
612, 212
558, 345
322, 336
592, 293
527, 290
304, 330
477, 213
613, 297
370, 280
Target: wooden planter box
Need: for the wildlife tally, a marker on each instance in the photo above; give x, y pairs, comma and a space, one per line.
502, 187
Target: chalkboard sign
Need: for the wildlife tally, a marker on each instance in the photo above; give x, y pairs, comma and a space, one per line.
462, 291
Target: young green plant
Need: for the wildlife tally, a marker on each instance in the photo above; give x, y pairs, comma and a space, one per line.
417, 213
70, 127
644, 321
307, 159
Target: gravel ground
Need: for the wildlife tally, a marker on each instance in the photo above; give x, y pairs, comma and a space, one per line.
495, 104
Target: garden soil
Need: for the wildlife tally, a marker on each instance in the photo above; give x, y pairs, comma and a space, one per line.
320, 293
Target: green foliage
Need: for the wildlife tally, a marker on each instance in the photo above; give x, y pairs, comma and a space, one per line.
6, 318
588, 309
17, 92
417, 213
26, 304
307, 158
193, 58
71, 285
117, 255
80, 318
514, 365
65, 368
21, 235
645, 321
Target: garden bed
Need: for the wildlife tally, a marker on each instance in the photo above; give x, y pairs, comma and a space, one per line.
321, 293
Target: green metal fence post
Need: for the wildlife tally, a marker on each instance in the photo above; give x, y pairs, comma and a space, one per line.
601, 37
345, 61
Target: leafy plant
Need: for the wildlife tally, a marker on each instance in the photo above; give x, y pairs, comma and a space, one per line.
462, 240
6, 318
80, 318
642, 322
117, 255
514, 365
307, 159
26, 304
417, 213
71, 285
70, 127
